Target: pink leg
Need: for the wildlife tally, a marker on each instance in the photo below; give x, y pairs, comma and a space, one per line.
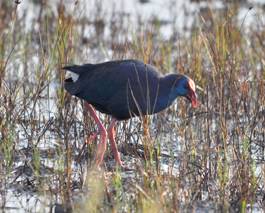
111, 134
103, 135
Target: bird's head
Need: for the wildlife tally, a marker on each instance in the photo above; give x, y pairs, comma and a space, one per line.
185, 87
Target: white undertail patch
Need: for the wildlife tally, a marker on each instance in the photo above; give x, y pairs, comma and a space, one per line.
73, 75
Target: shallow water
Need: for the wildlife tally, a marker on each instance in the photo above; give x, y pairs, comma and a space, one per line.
36, 178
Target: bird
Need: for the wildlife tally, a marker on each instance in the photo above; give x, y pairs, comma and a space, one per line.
124, 89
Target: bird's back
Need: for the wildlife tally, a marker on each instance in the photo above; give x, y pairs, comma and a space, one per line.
121, 88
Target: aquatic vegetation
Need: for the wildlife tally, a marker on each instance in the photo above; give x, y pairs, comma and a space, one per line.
180, 159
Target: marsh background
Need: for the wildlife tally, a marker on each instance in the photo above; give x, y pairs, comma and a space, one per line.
206, 160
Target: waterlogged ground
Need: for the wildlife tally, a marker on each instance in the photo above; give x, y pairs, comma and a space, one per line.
206, 160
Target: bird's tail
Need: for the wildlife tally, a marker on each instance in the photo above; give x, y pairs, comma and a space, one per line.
71, 83
79, 69
72, 87
71, 77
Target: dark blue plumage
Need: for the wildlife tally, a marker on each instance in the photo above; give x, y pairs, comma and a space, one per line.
126, 88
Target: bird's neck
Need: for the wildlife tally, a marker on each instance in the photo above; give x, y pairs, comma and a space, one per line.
167, 91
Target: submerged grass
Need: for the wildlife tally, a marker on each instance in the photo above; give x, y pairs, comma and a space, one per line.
181, 159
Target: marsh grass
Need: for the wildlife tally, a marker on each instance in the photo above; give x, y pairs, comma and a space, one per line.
182, 159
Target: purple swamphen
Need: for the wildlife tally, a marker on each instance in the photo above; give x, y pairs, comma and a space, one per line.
124, 89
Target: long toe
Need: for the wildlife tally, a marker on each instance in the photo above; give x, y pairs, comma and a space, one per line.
100, 154
91, 138
118, 158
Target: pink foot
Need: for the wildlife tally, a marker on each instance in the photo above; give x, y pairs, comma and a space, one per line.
111, 134
91, 138
103, 135
102, 146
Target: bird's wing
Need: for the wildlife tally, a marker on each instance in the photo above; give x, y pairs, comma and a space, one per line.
106, 85
138, 94
105, 80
